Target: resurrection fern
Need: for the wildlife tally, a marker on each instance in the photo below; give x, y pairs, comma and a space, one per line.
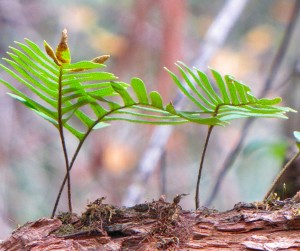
78, 97
73, 96
228, 100
60, 88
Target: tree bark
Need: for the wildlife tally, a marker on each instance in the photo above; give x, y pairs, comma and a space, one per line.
160, 225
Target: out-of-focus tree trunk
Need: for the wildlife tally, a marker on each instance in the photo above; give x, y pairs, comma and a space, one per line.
162, 43
173, 17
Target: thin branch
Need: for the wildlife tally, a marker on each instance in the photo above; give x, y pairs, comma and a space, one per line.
282, 49
214, 39
269, 81
285, 168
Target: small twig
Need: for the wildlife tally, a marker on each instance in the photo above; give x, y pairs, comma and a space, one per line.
283, 170
86, 233
197, 200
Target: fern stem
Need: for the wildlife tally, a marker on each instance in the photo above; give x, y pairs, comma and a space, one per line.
197, 200
77, 151
275, 182
66, 176
63, 142
75, 156
80, 145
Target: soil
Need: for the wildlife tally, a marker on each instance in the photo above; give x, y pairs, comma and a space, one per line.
162, 225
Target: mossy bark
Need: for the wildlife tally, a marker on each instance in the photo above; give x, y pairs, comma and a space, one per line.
160, 225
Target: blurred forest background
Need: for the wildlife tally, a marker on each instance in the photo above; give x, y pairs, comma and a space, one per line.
142, 37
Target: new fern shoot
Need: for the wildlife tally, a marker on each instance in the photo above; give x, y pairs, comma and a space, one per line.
60, 90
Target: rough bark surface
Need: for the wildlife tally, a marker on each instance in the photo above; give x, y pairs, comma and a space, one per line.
160, 225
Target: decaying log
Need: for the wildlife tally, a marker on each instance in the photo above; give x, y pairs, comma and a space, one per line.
160, 225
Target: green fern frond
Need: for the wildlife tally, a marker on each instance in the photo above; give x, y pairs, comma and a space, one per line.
229, 99
144, 107
67, 87
64, 90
